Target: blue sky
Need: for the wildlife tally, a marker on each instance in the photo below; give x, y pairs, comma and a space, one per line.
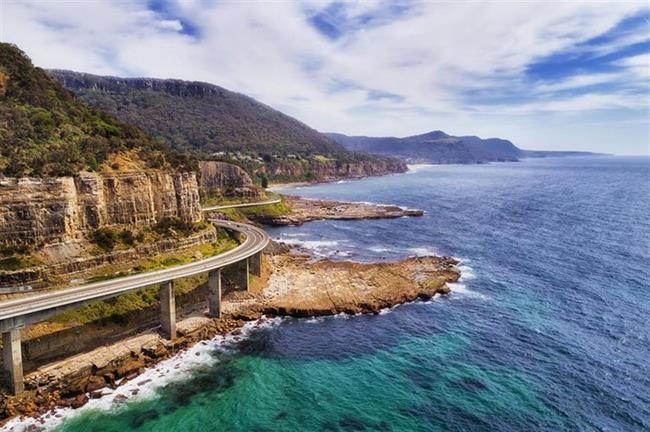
547, 75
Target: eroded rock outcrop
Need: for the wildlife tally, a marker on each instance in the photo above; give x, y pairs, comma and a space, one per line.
300, 287
39, 211
219, 179
307, 210
325, 170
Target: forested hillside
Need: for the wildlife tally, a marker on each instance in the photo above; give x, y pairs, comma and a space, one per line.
199, 117
434, 147
46, 130
211, 122
440, 148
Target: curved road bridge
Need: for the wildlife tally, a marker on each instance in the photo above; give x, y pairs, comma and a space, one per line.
15, 314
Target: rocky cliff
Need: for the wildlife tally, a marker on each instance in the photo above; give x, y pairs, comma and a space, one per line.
221, 179
39, 211
324, 170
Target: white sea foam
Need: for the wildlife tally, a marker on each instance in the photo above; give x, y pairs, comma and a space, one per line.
369, 203
414, 168
461, 290
466, 273
422, 251
378, 204
293, 235
319, 248
436, 298
147, 384
316, 244
182, 365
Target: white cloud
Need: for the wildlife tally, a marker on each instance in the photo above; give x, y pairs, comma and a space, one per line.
174, 25
575, 104
430, 55
641, 60
639, 66
578, 81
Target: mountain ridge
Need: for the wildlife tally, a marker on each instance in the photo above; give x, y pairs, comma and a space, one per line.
211, 122
439, 147
84, 84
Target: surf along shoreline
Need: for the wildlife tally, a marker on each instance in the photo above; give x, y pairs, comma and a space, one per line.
294, 283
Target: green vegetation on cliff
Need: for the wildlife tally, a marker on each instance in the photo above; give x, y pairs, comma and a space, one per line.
434, 147
46, 130
241, 214
116, 309
107, 238
17, 262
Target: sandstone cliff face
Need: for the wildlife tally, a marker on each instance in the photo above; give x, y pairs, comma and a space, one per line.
331, 169
224, 179
39, 211
3, 83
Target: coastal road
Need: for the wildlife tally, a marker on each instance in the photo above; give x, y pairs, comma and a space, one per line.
34, 308
253, 204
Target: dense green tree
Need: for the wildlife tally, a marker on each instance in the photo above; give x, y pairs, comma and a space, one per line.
264, 180
46, 130
205, 120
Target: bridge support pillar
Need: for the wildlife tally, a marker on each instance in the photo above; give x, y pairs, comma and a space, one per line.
13, 361
235, 276
214, 294
255, 264
237, 236
168, 309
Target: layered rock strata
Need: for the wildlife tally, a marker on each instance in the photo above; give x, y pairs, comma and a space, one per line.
40, 211
327, 170
221, 179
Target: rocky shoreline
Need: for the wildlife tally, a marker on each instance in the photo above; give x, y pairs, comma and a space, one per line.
302, 287
292, 285
306, 210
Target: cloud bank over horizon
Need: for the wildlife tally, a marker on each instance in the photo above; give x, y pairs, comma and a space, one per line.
548, 76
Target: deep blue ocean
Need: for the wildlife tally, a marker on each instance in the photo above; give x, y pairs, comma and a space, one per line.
548, 330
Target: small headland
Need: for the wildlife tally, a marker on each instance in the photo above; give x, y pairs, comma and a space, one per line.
294, 210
